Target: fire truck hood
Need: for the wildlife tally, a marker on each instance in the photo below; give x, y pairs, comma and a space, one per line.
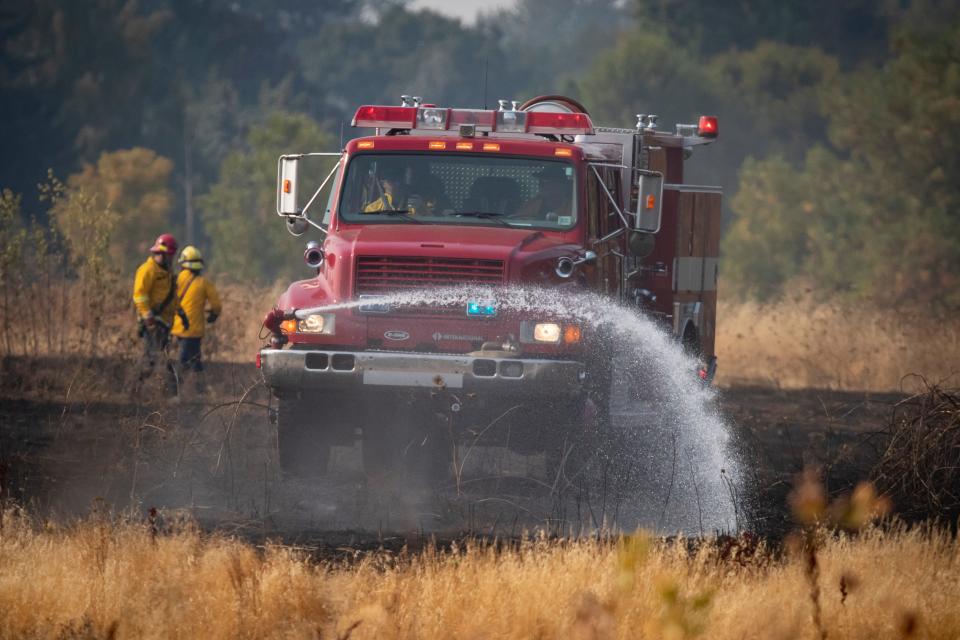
409, 239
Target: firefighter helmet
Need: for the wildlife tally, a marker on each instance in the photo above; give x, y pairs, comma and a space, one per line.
165, 244
191, 258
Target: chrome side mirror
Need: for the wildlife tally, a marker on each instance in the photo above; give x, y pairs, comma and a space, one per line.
297, 226
649, 201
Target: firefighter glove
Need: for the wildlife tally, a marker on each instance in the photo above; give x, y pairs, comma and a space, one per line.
149, 322
212, 317
184, 318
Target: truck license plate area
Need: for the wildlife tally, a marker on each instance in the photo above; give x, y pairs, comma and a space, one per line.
413, 379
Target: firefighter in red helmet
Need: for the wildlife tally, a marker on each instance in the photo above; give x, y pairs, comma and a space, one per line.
155, 298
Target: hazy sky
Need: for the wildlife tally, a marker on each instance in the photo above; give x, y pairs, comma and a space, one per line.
466, 10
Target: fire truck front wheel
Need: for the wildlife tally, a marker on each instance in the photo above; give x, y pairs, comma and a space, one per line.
401, 440
306, 431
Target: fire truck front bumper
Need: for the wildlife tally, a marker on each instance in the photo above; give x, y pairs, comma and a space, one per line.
294, 369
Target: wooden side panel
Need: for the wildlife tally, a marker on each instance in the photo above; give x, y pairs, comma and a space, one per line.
708, 206
685, 225
658, 160
701, 222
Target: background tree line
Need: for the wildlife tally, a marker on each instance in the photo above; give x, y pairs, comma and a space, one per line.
838, 153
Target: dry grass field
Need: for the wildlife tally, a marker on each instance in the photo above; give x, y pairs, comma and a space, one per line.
119, 577
804, 343
109, 578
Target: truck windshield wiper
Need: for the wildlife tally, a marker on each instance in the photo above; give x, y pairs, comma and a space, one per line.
484, 215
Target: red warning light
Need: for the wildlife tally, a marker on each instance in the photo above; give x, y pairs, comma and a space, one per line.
708, 127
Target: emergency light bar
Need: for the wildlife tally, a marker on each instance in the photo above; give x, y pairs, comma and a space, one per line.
386, 117
549, 122
441, 119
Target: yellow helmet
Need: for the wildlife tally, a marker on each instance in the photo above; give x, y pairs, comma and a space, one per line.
191, 258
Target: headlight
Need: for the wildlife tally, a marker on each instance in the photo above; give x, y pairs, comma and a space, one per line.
549, 333
546, 332
317, 323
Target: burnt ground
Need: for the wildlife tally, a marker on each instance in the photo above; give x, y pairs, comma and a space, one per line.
73, 439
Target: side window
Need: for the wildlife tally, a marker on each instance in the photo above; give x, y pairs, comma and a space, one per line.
331, 199
594, 195
609, 219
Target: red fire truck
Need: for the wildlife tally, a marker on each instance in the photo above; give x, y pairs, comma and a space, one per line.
530, 194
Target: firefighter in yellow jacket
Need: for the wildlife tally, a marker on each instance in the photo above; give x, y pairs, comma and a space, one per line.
155, 298
194, 293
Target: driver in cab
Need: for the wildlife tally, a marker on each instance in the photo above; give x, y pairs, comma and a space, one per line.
554, 197
396, 195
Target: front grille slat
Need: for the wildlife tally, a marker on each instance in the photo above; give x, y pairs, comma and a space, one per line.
430, 275
445, 277
382, 275
495, 266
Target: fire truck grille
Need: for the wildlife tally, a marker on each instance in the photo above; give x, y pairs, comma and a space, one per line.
380, 275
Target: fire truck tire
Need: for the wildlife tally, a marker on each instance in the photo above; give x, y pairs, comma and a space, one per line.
691, 341
398, 442
303, 439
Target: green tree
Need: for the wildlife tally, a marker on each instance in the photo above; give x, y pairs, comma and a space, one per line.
551, 43
769, 98
134, 185
70, 72
853, 30
646, 72
873, 214
247, 238
404, 52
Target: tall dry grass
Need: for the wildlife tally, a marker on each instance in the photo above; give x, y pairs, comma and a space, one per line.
104, 578
806, 342
233, 338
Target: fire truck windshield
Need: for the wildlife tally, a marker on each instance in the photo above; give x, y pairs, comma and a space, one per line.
459, 189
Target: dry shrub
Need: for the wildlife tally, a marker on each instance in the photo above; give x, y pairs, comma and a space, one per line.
806, 342
234, 336
920, 465
104, 575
